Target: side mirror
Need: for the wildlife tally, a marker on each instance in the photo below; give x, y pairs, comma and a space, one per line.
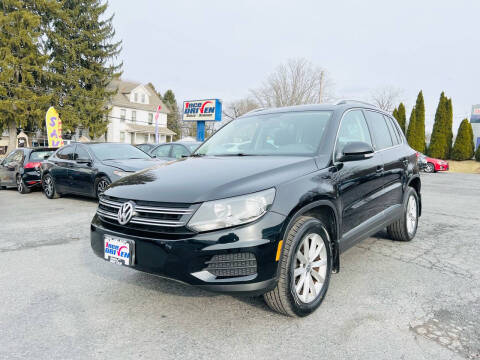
356, 150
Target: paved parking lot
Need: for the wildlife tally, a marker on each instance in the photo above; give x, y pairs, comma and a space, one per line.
418, 300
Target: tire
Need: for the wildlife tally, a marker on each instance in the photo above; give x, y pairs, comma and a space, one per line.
21, 186
401, 230
285, 298
430, 168
100, 184
49, 188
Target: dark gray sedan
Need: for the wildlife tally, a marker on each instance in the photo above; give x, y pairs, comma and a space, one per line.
88, 168
174, 150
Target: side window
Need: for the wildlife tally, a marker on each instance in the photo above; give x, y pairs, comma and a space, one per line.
81, 153
17, 157
162, 151
393, 132
379, 128
178, 151
353, 128
66, 153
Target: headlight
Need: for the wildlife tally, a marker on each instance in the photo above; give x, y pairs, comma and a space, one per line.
122, 173
218, 214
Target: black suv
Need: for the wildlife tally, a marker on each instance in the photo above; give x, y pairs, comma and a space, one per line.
267, 204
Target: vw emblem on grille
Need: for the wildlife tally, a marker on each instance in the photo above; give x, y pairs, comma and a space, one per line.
125, 212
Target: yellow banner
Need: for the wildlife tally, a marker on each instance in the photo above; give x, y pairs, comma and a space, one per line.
54, 128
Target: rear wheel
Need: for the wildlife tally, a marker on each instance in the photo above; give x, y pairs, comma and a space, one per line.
305, 268
21, 187
430, 168
101, 184
49, 188
405, 228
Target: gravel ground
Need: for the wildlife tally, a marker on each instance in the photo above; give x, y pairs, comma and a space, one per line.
417, 300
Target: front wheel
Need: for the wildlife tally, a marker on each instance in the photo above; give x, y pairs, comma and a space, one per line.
21, 187
305, 268
49, 188
101, 184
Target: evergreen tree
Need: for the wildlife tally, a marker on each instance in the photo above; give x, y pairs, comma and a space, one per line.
81, 54
22, 67
402, 116
411, 132
477, 154
449, 125
439, 141
420, 123
173, 118
463, 148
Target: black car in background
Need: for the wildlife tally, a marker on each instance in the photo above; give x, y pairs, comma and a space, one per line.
267, 204
88, 168
21, 168
146, 147
174, 150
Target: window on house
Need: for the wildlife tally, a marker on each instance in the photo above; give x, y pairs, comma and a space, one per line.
135, 97
143, 98
134, 116
123, 113
122, 136
150, 118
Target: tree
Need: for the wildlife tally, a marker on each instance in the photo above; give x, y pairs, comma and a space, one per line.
173, 118
411, 132
439, 141
449, 125
22, 67
477, 154
81, 60
385, 97
420, 122
463, 148
400, 114
294, 83
238, 108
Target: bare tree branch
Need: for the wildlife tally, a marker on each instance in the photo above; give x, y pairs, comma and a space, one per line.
386, 97
294, 83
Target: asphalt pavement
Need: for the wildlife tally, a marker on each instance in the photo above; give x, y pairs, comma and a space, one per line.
391, 300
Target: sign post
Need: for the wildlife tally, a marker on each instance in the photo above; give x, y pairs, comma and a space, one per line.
201, 111
156, 123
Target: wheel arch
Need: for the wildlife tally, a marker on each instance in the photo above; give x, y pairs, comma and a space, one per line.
416, 183
323, 210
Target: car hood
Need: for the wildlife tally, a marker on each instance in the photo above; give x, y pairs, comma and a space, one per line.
130, 164
198, 179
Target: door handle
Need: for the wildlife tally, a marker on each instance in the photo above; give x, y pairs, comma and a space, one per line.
380, 168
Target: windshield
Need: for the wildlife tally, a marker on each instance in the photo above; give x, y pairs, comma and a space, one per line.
117, 152
292, 133
192, 146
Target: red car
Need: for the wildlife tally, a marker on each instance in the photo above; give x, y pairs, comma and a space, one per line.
431, 165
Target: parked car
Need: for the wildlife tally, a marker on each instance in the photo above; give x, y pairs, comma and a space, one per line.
21, 168
146, 147
174, 150
88, 168
431, 165
273, 215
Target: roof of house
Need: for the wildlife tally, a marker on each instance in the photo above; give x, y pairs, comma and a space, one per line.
125, 88
148, 129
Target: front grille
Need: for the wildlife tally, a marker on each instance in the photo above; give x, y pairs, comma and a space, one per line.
232, 265
147, 215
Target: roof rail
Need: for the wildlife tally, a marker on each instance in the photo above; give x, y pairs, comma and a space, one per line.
350, 101
255, 110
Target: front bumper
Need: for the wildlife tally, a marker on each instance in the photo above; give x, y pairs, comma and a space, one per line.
186, 259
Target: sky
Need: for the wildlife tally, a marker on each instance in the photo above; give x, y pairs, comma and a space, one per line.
222, 49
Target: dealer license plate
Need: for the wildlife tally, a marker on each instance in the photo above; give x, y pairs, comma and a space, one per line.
119, 251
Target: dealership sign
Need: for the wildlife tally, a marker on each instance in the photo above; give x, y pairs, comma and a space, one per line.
202, 110
54, 128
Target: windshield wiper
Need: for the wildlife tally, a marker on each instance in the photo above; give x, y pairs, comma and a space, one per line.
236, 154
197, 155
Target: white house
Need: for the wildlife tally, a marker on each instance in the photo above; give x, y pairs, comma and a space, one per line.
132, 116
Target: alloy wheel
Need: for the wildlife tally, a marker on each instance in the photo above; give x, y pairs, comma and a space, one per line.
430, 168
19, 184
102, 185
310, 269
48, 186
411, 214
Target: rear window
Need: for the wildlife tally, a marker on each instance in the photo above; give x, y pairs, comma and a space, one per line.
40, 155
